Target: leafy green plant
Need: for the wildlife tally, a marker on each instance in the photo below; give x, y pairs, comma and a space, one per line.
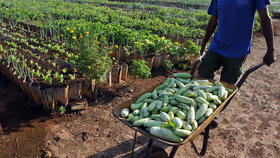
72, 76
139, 67
168, 64
94, 62
62, 110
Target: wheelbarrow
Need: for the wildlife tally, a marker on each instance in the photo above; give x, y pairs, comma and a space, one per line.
203, 129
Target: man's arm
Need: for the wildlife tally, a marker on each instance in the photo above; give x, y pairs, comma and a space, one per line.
212, 24
267, 29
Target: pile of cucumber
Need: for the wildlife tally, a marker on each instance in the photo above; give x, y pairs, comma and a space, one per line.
177, 107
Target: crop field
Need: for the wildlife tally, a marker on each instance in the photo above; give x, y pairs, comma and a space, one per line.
66, 64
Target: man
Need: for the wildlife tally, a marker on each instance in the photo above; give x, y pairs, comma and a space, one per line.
233, 39
232, 42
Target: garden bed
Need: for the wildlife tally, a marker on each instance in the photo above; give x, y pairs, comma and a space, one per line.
42, 70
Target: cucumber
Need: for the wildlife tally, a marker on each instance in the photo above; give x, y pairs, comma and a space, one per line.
213, 106
180, 84
191, 115
136, 106
184, 99
190, 93
229, 90
182, 75
154, 94
194, 105
165, 84
201, 94
202, 87
184, 81
201, 120
165, 100
171, 90
129, 117
172, 83
182, 90
173, 102
145, 96
181, 115
173, 109
187, 126
201, 111
182, 133
224, 97
221, 92
208, 112
164, 116
165, 109
212, 89
201, 100
155, 116
124, 112
171, 115
194, 125
152, 106
145, 112
136, 112
134, 118
217, 101
152, 123
141, 122
177, 122
219, 84
159, 105
148, 100
212, 97
165, 93
183, 106
165, 134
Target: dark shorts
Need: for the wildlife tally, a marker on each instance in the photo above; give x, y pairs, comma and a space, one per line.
232, 67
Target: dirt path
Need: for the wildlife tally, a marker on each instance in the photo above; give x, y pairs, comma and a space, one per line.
248, 128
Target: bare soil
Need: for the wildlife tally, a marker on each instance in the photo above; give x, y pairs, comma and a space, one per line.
248, 128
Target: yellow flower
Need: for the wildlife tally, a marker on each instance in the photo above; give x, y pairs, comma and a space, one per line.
61, 35
116, 46
74, 37
115, 63
67, 29
89, 67
104, 38
114, 58
71, 31
86, 33
81, 36
97, 42
63, 44
74, 28
66, 59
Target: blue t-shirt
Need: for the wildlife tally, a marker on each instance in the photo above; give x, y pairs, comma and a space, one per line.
233, 38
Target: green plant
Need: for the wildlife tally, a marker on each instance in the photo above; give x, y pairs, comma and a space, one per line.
72, 77
62, 110
139, 67
94, 62
168, 64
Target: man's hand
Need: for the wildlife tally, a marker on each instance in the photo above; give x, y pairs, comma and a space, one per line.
267, 29
269, 57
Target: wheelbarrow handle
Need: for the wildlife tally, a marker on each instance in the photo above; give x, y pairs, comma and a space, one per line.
247, 73
197, 61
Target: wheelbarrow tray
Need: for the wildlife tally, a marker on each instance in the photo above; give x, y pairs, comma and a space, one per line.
117, 111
